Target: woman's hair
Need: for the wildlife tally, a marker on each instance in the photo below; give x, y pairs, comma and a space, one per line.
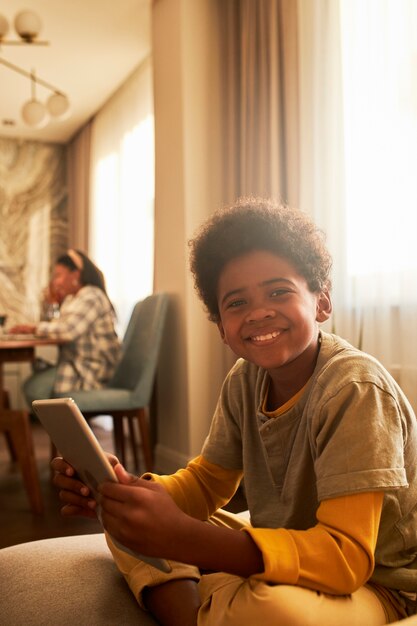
257, 224
89, 272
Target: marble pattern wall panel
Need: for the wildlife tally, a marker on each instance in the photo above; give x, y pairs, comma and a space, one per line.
33, 223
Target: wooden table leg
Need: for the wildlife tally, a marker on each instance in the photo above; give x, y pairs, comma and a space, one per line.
16, 425
6, 405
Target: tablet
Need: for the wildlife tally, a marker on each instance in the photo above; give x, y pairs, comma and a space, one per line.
75, 440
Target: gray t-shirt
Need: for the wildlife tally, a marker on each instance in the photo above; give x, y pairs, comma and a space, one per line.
351, 431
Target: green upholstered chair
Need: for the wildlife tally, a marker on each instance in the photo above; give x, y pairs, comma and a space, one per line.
128, 394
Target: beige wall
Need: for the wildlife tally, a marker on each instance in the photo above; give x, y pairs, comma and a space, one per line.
188, 188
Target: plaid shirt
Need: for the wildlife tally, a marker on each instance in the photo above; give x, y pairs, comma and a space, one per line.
92, 349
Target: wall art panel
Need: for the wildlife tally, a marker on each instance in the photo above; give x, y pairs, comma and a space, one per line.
33, 223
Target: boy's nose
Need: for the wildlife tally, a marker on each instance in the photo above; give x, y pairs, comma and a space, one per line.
258, 314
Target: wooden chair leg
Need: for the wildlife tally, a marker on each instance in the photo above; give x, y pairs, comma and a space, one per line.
152, 413
132, 435
16, 423
6, 405
10, 448
142, 417
6, 399
119, 438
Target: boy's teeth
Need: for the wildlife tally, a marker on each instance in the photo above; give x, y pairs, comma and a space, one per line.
265, 337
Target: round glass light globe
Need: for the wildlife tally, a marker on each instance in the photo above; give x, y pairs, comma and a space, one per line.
58, 105
35, 114
4, 27
27, 25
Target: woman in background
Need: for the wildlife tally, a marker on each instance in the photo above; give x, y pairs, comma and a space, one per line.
89, 347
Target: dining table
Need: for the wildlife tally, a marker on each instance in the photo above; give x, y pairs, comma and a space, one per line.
15, 423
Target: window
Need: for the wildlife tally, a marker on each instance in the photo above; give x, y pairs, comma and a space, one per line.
379, 65
123, 193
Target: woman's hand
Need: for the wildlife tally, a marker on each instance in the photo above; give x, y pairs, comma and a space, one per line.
141, 515
22, 329
75, 495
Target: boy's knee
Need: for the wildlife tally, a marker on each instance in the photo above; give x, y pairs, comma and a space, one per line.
234, 601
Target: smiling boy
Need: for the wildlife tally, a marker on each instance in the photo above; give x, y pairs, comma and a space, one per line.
268, 316
322, 435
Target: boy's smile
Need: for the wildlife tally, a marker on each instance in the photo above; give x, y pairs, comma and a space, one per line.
269, 316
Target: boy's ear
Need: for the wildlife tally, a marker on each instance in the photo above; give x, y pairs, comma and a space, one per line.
222, 333
324, 306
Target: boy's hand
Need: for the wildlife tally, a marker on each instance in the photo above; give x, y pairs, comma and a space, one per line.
74, 493
141, 515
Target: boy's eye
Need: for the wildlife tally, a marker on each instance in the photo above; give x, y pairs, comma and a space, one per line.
282, 291
235, 303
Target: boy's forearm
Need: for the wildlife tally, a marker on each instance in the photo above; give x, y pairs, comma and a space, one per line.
201, 488
216, 548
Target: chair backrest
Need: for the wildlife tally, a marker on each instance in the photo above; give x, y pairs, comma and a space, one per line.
141, 344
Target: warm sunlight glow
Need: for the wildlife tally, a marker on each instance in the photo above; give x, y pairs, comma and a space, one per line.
123, 218
379, 50
121, 229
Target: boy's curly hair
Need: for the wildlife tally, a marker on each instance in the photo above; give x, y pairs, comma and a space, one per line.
257, 224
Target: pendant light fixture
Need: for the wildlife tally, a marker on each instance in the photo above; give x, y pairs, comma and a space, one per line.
57, 105
27, 26
34, 113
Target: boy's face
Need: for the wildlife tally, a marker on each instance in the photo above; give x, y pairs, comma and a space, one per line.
269, 316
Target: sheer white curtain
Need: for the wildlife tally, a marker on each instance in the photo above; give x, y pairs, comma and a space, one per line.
122, 192
359, 154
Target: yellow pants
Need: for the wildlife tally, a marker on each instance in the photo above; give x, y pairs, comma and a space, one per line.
228, 600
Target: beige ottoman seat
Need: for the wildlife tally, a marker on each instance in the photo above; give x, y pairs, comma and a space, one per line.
70, 581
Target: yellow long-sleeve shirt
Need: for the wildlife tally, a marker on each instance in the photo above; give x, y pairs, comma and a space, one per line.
335, 556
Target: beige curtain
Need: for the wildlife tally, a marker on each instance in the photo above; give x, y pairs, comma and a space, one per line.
260, 100
78, 176
122, 191
260, 52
